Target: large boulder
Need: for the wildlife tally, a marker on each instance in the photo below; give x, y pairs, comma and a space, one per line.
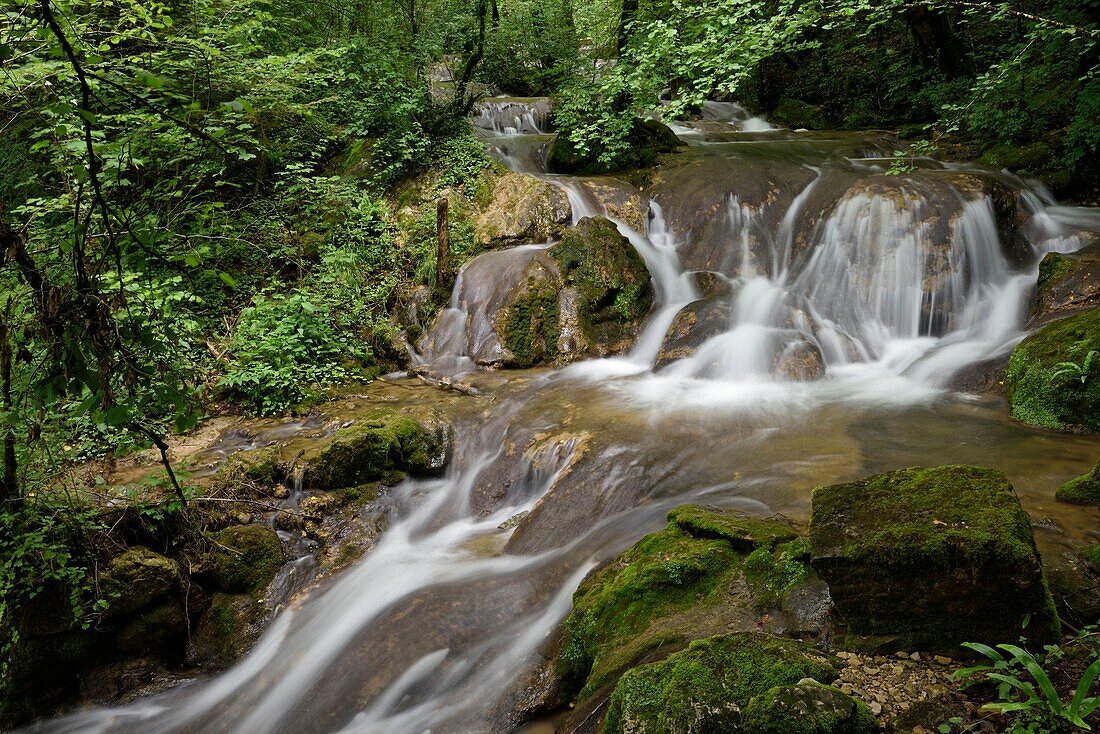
1053, 377
647, 140
808, 708
708, 686
1067, 283
375, 446
693, 325
1084, 490
929, 558
136, 578
226, 630
520, 209
246, 557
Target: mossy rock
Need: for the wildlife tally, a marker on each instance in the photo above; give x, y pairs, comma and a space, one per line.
808, 708
1067, 282
744, 532
153, 630
1084, 490
929, 558
375, 446
1053, 377
705, 687
610, 278
246, 557
772, 573
1030, 158
647, 139
531, 325
797, 114
1091, 554
43, 672
226, 630
136, 578
257, 466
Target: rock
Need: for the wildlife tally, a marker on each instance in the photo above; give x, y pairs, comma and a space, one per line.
1091, 554
521, 209
153, 630
648, 138
796, 114
378, 444
246, 557
257, 466
744, 532
705, 687
45, 671
1031, 158
136, 578
226, 630
1053, 378
941, 659
930, 558
1074, 581
1084, 490
1067, 283
530, 325
799, 361
611, 281
694, 324
809, 708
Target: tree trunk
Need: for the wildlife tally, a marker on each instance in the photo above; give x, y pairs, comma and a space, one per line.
443, 245
938, 46
9, 485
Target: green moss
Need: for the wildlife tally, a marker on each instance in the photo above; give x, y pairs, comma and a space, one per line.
227, 628
610, 277
704, 687
1051, 381
246, 558
153, 629
808, 708
1053, 268
138, 577
378, 444
743, 532
774, 573
1084, 490
531, 326
258, 466
1033, 157
648, 139
931, 557
1091, 554
798, 114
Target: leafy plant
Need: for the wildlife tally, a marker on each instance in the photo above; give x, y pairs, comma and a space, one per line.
1077, 371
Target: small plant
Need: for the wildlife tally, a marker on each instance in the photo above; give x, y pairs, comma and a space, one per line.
1037, 701
906, 161
1074, 370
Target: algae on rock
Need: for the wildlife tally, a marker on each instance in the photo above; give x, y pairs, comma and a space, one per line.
929, 558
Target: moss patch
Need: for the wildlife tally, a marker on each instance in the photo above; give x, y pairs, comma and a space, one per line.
773, 573
808, 708
136, 578
1091, 554
704, 687
258, 466
1084, 490
930, 558
531, 326
743, 532
247, 557
153, 629
1052, 381
227, 629
378, 444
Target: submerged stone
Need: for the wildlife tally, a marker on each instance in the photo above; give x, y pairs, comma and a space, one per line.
246, 557
1084, 490
929, 558
136, 578
1053, 377
378, 444
707, 686
808, 708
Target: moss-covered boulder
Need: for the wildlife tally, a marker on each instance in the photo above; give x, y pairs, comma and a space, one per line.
611, 283
1084, 490
260, 467
154, 629
43, 672
1068, 282
929, 558
647, 140
669, 588
226, 630
246, 557
377, 444
1053, 377
520, 209
797, 114
1091, 554
707, 686
136, 578
808, 708
530, 328
1032, 158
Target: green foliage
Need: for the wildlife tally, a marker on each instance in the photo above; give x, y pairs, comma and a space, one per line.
1025, 689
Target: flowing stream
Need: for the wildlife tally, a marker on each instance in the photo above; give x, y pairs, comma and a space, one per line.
847, 302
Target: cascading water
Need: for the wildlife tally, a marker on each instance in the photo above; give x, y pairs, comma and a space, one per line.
841, 289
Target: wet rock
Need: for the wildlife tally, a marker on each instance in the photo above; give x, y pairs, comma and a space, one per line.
136, 578
1084, 490
258, 467
797, 114
799, 361
707, 686
930, 558
1026, 159
695, 323
521, 209
711, 284
648, 138
1074, 581
154, 629
744, 532
1053, 377
246, 557
379, 443
530, 325
612, 284
982, 378
808, 708
226, 630
1067, 283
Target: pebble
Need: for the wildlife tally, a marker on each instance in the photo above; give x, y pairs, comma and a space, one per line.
941, 660
890, 685
876, 707
915, 657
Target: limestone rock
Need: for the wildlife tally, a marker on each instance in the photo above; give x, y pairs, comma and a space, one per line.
521, 209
